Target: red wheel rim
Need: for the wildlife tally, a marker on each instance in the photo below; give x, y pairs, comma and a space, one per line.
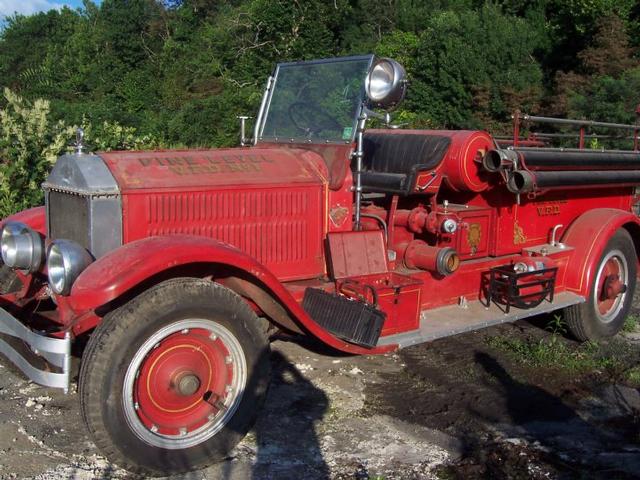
610, 288
180, 380
184, 383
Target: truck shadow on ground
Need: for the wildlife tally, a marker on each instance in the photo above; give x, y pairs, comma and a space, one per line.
524, 402
512, 423
563, 442
285, 443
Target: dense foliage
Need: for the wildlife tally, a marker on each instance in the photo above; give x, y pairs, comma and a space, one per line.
178, 72
29, 144
183, 70
31, 140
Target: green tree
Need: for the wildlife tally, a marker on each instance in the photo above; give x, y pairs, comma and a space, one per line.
474, 68
609, 98
601, 65
182, 70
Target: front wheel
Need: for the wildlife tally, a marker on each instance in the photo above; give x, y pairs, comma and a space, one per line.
611, 293
173, 380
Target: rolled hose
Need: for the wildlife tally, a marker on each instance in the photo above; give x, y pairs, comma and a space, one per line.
563, 160
520, 181
523, 181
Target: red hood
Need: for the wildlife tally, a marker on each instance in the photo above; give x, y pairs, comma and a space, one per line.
198, 169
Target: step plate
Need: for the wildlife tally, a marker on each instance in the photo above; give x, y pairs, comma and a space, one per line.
452, 320
351, 320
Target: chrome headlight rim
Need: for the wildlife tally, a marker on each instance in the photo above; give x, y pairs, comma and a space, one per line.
21, 247
386, 84
66, 260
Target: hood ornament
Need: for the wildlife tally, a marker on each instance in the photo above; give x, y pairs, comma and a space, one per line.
79, 145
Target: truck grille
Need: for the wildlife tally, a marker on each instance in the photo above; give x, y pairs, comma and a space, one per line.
68, 216
84, 203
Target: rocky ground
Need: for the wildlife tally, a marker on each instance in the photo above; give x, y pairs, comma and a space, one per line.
464, 407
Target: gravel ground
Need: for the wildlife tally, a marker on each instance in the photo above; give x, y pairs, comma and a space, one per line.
454, 408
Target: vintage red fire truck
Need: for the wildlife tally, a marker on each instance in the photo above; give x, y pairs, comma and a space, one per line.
173, 266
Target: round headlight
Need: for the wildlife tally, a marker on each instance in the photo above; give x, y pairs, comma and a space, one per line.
386, 84
22, 248
66, 260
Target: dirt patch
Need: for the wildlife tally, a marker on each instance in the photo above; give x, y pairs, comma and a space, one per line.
518, 420
457, 408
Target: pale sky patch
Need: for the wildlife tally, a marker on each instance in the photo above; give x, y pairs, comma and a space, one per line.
28, 7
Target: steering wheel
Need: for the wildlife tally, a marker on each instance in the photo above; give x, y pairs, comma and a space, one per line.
311, 119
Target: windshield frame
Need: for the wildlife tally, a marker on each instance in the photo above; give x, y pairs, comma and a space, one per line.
268, 95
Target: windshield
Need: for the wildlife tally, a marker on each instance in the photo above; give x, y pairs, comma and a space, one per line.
316, 101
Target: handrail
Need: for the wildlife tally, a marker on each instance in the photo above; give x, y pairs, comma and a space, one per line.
519, 117
578, 123
544, 136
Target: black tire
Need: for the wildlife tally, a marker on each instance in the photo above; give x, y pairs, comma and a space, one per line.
585, 321
122, 339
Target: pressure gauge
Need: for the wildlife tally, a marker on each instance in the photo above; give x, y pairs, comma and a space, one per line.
449, 225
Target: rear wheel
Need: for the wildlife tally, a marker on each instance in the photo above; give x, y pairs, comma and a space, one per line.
172, 380
611, 293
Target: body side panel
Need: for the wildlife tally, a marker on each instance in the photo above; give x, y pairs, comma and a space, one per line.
124, 268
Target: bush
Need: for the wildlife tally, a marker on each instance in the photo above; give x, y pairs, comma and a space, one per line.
113, 136
30, 143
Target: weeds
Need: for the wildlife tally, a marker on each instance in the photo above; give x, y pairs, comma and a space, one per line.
554, 352
557, 325
29, 144
633, 376
630, 324
547, 352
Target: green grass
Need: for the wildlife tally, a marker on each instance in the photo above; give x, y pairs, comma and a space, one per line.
630, 324
555, 352
550, 352
633, 376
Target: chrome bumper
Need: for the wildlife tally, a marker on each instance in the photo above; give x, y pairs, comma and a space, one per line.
56, 351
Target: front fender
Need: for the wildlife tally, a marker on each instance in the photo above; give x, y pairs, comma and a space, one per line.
122, 269
32, 217
589, 235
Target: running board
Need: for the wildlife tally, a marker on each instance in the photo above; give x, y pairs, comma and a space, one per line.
452, 320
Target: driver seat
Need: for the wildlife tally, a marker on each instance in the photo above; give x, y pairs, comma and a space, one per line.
394, 158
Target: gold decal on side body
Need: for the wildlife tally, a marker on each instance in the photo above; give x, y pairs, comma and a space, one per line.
338, 215
548, 209
474, 236
518, 234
